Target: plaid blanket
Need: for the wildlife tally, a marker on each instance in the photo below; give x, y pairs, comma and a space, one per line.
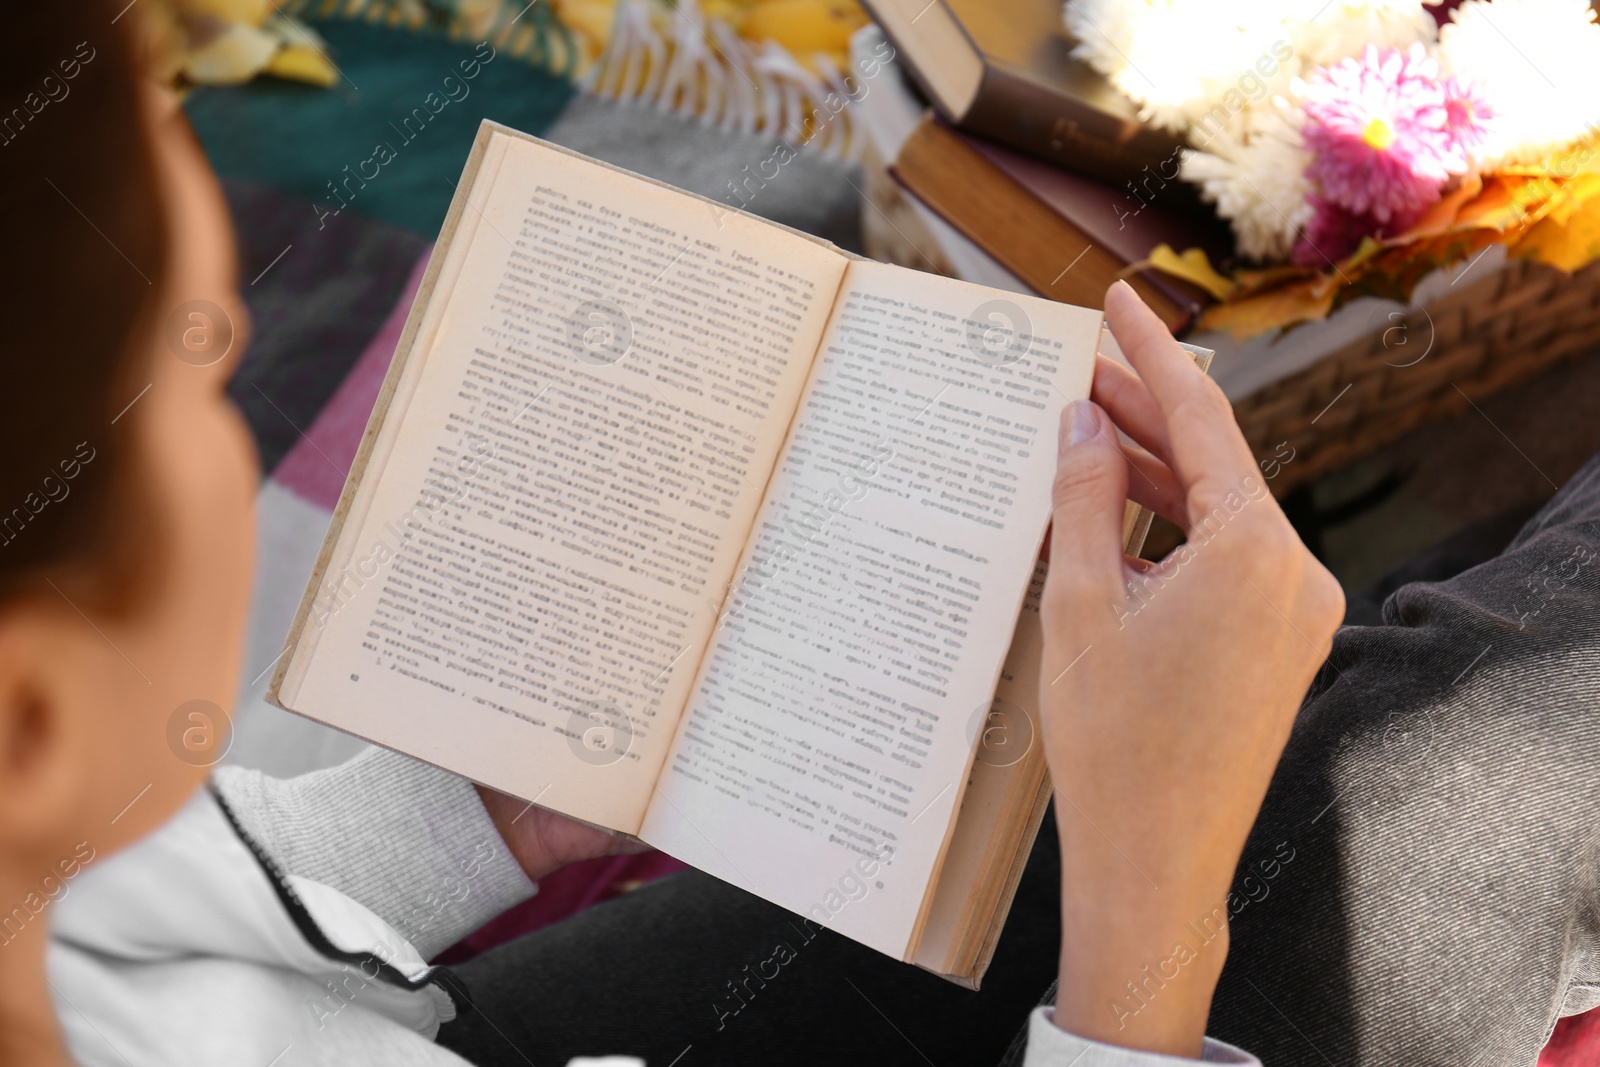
330, 261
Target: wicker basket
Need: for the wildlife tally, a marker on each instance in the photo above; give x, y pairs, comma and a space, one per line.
1489, 335
1501, 329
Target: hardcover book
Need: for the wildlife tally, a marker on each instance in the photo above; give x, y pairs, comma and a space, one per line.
1003, 69
1066, 235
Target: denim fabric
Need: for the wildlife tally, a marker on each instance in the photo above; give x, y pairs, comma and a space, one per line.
1420, 888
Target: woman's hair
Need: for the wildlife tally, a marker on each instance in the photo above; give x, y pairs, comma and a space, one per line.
85, 255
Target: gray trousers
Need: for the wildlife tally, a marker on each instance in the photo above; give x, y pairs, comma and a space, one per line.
1441, 798
1420, 888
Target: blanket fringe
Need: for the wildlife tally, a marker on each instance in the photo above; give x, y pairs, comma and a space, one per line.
676, 59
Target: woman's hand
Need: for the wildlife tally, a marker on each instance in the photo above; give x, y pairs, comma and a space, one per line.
1168, 690
543, 841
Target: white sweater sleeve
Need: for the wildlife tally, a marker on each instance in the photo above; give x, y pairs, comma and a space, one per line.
1051, 1046
411, 842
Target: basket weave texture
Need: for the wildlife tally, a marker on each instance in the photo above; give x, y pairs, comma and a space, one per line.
1487, 335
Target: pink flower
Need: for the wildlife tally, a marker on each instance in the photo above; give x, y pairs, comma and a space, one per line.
1333, 233
1467, 118
1379, 131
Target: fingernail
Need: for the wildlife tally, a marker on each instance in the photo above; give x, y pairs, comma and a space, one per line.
1122, 283
1079, 425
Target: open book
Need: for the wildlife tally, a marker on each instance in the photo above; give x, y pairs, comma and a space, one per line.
693, 527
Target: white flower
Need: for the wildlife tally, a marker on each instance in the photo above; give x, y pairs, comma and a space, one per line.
1254, 172
1538, 63
1326, 31
1186, 62
1181, 58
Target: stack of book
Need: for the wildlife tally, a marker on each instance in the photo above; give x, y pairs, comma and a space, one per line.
1034, 159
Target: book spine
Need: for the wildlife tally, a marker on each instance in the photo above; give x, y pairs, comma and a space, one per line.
1020, 113
1018, 230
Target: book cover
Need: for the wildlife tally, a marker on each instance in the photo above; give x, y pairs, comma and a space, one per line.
1003, 69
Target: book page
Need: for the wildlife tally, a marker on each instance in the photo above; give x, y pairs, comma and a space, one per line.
826, 743
526, 583
1002, 786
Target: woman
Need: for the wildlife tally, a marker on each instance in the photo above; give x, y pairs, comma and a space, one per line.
150, 920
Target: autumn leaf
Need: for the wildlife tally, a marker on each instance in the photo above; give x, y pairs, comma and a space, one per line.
1566, 244
1192, 266
1582, 157
1570, 198
1503, 203
1254, 281
1303, 301
1367, 250
303, 63
1441, 217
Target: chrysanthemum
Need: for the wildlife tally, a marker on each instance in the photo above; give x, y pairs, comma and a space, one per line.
1254, 172
1539, 61
1332, 233
1331, 30
1378, 131
1187, 61
1468, 118
1180, 59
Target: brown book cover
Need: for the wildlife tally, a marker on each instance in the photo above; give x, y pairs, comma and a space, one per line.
1003, 69
1068, 238
1129, 222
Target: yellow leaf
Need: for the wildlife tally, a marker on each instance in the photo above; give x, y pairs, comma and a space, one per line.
1566, 246
1503, 203
1575, 159
1300, 302
1192, 266
1253, 281
1570, 197
303, 63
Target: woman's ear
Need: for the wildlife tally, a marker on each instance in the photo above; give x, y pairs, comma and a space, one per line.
43, 761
